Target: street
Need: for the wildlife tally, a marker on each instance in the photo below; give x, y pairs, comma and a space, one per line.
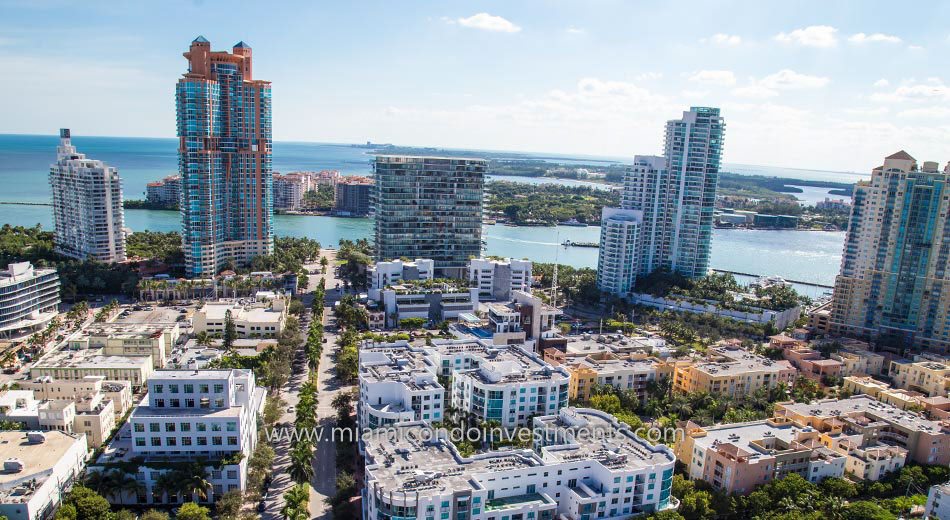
323, 484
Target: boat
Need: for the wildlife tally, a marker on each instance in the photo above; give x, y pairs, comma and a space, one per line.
571, 243
572, 222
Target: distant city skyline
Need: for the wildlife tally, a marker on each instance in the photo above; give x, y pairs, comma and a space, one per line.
804, 85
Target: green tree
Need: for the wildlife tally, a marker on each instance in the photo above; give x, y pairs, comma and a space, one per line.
865, 510
301, 462
154, 514
193, 511
228, 506
230, 331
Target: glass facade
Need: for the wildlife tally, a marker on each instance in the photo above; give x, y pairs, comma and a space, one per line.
224, 128
429, 207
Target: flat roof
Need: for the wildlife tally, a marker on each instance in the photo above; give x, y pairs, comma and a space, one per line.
407, 457
867, 406
38, 460
90, 358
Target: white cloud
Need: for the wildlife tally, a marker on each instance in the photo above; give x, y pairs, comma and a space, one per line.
861, 38
865, 112
646, 76
722, 78
488, 22
812, 36
915, 48
937, 112
754, 91
575, 30
881, 83
786, 79
722, 39
932, 89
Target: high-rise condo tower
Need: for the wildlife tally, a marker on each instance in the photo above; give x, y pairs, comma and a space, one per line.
224, 158
87, 205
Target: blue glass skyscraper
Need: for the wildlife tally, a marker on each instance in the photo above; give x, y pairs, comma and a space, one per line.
224, 157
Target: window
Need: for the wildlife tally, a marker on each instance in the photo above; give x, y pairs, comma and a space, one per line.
216, 441
173, 389
171, 441
185, 427
232, 426
140, 441
159, 403
215, 427
156, 441
218, 388
189, 389
232, 441
202, 441
203, 389
169, 427
174, 403
158, 389
189, 403
154, 427
186, 441
201, 426
139, 427
219, 402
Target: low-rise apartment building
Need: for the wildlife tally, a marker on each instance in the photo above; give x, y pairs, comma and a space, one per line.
931, 377
853, 385
39, 468
130, 340
259, 319
737, 458
507, 384
609, 370
119, 392
91, 414
398, 383
74, 365
385, 274
209, 416
857, 362
497, 279
732, 371
565, 475
432, 302
926, 441
810, 364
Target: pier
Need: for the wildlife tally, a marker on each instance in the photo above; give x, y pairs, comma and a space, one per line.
797, 282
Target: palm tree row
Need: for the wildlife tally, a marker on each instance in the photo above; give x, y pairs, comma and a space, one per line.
296, 503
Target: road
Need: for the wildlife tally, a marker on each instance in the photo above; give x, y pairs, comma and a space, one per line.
324, 476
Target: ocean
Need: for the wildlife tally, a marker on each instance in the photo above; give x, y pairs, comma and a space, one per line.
24, 162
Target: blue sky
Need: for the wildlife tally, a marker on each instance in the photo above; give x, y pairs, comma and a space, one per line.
826, 85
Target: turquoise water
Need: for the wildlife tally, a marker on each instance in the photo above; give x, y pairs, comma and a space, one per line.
24, 162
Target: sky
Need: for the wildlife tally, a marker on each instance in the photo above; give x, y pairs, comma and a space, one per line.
805, 84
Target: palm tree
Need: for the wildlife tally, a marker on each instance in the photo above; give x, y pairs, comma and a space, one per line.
167, 484
295, 503
122, 483
301, 463
196, 482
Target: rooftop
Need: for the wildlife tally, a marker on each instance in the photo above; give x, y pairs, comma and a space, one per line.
418, 460
862, 407
38, 460
397, 362
90, 358
500, 363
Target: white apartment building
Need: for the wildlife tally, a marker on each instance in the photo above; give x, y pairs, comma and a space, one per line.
29, 298
385, 274
433, 303
262, 319
524, 319
421, 476
938, 502
119, 392
496, 279
38, 469
507, 384
618, 259
188, 415
87, 205
130, 339
398, 383
289, 191
74, 365
91, 414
